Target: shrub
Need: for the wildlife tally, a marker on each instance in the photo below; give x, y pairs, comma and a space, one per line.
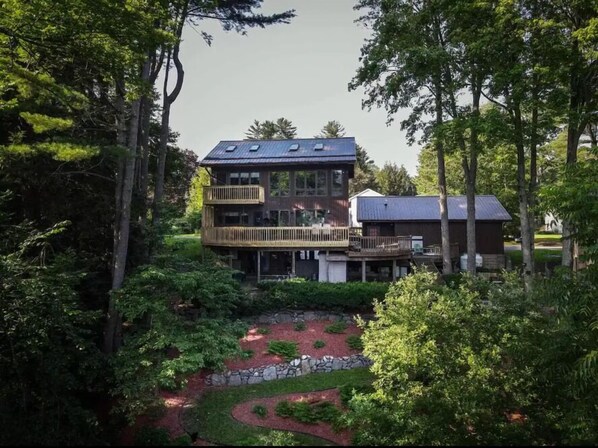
286, 349
247, 354
337, 327
354, 342
263, 330
319, 344
150, 436
305, 412
184, 440
260, 410
273, 438
283, 409
298, 293
300, 326
347, 391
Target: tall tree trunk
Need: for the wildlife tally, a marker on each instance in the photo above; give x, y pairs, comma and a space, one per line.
112, 334
167, 100
471, 170
447, 267
533, 169
527, 236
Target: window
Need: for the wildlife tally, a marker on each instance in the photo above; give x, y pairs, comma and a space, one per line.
310, 183
306, 218
254, 148
319, 147
231, 148
235, 219
337, 183
279, 218
244, 178
279, 183
294, 147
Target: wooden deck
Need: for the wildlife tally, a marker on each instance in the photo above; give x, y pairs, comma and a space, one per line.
379, 246
277, 237
233, 194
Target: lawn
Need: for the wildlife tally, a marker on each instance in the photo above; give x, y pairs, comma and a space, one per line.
211, 416
540, 256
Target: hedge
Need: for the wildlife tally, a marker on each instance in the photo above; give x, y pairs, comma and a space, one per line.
303, 294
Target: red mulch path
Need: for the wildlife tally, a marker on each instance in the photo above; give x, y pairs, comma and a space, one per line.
335, 343
242, 412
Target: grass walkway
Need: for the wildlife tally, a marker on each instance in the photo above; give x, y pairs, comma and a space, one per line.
211, 416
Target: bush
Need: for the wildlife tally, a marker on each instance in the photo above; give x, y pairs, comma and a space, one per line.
263, 330
286, 349
247, 354
319, 344
260, 410
302, 294
337, 327
354, 342
300, 326
273, 438
150, 436
184, 440
305, 412
348, 391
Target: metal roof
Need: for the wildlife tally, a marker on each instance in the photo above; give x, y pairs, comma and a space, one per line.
335, 150
425, 208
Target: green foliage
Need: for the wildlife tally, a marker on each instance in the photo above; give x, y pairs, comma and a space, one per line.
305, 412
272, 438
260, 410
395, 181
151, 436
184, 440
354, 296
319, 343
348, 391
271, 130
264, 330
354, 342
300, 326
337, 327
247, 354
286, 349
49, 363
175, 313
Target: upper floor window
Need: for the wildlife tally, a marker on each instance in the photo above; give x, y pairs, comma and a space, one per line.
337, 182
279, 183
310, 183
244, 178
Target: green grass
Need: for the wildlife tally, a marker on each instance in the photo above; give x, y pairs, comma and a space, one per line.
211, 415
540, 256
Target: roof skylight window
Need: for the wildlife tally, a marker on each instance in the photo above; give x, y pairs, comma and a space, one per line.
319, 147
294, 147
254, 147
231, 148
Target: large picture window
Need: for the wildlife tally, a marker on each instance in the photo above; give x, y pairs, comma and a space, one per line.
279, 183
236, 218
244, 178
310, 183
337, 182
279, 218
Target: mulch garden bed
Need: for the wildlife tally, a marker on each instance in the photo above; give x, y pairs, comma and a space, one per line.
335, 343
243, 413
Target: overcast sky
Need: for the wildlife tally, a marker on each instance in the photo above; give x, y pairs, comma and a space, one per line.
299, 71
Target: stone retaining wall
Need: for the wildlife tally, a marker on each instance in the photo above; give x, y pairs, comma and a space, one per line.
288, 316
298, 367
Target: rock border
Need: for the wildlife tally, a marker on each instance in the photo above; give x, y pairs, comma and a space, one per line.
293, 316
297, 367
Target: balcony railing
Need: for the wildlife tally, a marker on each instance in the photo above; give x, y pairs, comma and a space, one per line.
277, 237
233, 194
379, 245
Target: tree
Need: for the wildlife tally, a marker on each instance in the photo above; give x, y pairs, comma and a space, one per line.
395, 181
281, 129
332, 129
195, 202
404, 64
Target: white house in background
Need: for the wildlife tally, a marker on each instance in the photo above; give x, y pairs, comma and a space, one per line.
353, 205
552, 223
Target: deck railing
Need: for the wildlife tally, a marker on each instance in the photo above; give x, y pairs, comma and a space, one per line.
277, 237
380, 245
436, 250
233, 194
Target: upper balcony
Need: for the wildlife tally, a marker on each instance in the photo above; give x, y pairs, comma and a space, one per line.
379, 246
233, 194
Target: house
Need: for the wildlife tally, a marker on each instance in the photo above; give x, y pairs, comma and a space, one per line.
279, 208
353, 205
419, 217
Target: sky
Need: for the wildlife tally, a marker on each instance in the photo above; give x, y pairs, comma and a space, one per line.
299, 71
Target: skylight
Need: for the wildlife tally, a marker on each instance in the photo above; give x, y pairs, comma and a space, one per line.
231, 148
254, 147
319, 147
294, 147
